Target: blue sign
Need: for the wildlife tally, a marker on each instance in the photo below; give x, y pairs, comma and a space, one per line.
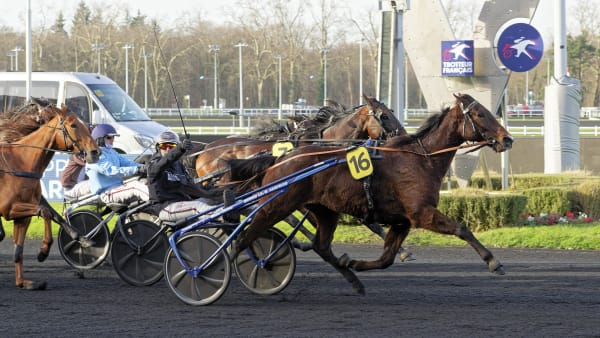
457, 58
520, 47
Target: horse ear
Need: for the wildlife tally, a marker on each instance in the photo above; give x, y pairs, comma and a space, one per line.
368, 99
456, 95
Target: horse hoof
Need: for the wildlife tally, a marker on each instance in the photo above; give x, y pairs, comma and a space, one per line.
499, 271
42, 256
496, 267
359, 288
406, 256
34, 286
344, 261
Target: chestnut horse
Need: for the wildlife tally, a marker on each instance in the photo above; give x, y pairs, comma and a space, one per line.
405, 185
30, 137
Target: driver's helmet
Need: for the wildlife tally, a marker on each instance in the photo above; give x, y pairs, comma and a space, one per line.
167, 137
102, 130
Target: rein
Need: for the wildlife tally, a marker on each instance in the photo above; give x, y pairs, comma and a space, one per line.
34, 175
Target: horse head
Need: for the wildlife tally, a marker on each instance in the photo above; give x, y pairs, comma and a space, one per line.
386, 118
75, 134
479, 124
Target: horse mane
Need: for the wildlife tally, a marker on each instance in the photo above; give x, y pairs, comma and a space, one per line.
21, 121
266, 127
429, 126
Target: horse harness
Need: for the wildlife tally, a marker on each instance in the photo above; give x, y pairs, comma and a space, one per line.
34, 175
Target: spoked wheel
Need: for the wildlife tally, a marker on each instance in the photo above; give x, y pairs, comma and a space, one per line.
138, 252
85, 255
276, 273
210, 284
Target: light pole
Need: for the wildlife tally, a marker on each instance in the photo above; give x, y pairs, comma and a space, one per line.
360, 74
127, 47
279, 57
215, 49
11, 55
16, 51
146, 56
98, 47
240, 45
324, 51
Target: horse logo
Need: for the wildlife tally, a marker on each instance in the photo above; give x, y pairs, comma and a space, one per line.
519, 47
458, 50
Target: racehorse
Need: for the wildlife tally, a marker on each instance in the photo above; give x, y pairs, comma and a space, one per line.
333, 123
404, 186
371, 120
30, 137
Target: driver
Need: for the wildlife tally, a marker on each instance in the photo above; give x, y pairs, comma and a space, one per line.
172, 191
106, 176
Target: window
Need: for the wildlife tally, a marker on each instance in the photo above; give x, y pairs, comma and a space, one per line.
77, 100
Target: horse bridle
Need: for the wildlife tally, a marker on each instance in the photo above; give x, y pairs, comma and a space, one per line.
378, 116
467, 113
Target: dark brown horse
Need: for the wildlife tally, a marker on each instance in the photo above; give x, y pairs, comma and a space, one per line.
405, 186
30, 137
333, 123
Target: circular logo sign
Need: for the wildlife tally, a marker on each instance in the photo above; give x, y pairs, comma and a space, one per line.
520, 47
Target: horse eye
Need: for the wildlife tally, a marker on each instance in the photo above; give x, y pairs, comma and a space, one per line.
73, 126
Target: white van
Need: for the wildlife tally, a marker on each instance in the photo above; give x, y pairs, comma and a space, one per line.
96, 98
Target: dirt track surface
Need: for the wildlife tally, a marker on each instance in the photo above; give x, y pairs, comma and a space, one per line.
446, 292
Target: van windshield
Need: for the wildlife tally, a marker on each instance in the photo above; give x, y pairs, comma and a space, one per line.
118, 103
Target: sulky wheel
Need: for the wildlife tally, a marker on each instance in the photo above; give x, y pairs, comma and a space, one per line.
85, 256
276, 273
210, 283
138, 252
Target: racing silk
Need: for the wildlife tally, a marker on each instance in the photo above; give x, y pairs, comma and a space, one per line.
168, 178
109, 171
169, 181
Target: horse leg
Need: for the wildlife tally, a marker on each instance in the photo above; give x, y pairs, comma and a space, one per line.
432, 219
2, 233
391, 243
377, 229
20, 229
326, 225
45, 207
47, 239
292, 220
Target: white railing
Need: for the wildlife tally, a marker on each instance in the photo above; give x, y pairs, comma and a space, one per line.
515, 131
592, 113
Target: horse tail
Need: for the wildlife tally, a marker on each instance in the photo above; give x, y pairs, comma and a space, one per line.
251, 168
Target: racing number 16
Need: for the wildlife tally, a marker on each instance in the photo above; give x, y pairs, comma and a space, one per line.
359, 163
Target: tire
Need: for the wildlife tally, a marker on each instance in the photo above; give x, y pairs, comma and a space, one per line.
83, 256
210, 283
276, 274
138, 252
